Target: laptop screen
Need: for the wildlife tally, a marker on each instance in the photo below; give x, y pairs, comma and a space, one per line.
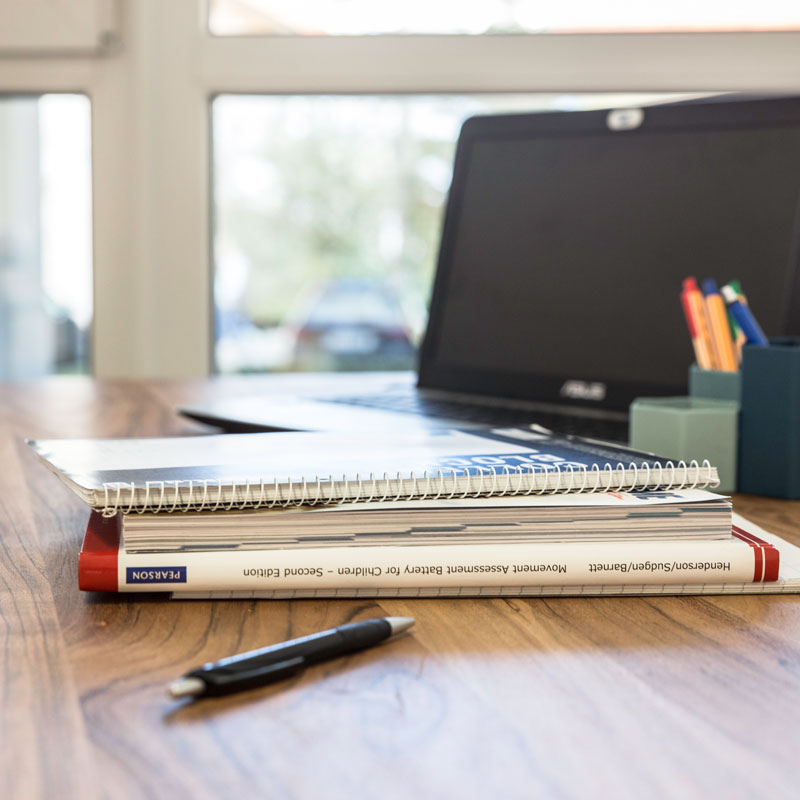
565, 244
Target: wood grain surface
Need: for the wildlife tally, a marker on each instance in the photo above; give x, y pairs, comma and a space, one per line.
551, 698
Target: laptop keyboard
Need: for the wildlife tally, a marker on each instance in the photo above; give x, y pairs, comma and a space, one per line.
414, 403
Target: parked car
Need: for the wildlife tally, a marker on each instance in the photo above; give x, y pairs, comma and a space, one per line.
351, 324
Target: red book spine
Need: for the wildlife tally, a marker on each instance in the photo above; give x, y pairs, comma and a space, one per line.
97, 562
767, 556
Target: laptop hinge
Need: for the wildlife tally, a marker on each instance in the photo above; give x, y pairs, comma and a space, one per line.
525, 405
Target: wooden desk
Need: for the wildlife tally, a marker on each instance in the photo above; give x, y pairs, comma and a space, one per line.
645, 698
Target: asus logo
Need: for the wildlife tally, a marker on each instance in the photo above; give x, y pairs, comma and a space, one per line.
583, 390
624, 119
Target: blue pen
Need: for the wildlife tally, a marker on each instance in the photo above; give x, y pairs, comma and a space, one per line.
744, 318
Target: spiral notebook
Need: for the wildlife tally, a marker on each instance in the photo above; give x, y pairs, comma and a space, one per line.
275, 470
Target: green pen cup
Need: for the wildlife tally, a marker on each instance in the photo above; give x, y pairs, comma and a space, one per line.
715, 384
689, 429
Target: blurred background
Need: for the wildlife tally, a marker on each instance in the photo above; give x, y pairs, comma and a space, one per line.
327, 212
247, 186
45, 234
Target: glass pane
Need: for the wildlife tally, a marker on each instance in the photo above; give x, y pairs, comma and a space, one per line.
327, 212
45, 235
364, 17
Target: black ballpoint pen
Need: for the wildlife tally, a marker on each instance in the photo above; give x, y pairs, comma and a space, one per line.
279, 661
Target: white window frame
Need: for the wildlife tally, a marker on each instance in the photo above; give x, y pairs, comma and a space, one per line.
55, 27
151, 85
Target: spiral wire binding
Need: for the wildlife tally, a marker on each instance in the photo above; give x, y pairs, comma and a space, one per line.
446, 483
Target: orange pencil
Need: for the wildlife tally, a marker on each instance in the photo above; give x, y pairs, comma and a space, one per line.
692, 302
721, 341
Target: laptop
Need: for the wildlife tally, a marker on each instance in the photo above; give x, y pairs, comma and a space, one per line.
565, 240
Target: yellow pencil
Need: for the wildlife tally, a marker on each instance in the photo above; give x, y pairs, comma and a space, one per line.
717, 316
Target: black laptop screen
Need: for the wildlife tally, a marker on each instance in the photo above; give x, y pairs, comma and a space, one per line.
564, 254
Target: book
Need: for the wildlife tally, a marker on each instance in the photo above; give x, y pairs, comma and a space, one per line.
788, 581
596, 516
280, 470
494, 560
468, 510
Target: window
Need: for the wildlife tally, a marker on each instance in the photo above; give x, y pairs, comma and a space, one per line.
369, 17
326, 208
327, 213
45, 235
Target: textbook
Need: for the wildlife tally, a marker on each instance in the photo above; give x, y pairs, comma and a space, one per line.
787, 582
280, 470
375, 544
105, 564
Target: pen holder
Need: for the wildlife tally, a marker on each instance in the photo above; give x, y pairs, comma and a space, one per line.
688, 428
715, 384
769, 452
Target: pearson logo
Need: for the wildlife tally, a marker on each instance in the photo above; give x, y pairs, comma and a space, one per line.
584, 390
155, 574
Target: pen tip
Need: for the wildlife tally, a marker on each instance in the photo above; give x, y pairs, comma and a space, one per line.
186, 687
400, 624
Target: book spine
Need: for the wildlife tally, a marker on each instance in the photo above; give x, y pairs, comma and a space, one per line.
504, 565
98, 562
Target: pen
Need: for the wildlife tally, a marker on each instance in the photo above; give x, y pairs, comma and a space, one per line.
744, 317
279, 661
692, 302
721, 340
736, 332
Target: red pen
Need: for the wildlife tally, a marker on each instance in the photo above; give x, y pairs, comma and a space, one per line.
692, 301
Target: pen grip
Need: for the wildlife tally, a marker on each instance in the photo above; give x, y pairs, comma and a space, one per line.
226, 681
